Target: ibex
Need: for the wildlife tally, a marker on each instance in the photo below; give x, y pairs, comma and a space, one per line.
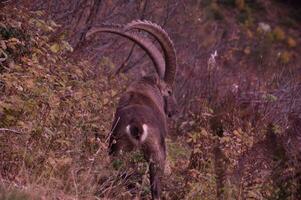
141, 116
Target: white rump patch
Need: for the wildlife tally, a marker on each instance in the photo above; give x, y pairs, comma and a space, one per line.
145, 133
143, 136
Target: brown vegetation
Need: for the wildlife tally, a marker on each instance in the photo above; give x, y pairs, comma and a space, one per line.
238, 86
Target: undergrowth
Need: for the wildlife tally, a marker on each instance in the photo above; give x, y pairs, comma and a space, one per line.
236, 138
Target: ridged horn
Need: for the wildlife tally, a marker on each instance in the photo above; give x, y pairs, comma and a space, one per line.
143, 42
165, 43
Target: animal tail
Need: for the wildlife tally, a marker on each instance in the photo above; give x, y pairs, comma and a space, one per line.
137, 131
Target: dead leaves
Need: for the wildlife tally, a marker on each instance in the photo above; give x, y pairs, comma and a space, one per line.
55, 48
63, 46
41, 25
3, 56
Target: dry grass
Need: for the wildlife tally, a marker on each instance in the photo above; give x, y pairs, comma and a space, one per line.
55, 113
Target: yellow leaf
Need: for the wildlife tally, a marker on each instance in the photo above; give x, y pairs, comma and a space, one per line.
38, 51
249, 33
53, 24
113, 93
29, 83
79, 94
105, 100
291, 42
51, 161
225, 139
279, 34
67, 46
54, 100
78, 72
240, 4
3, 45
247, 50
285, 57
34, 58
39, 12
236, 133
64, 162
55, 48
14, 40
42, 25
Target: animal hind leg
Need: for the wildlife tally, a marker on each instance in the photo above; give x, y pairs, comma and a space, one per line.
156, 159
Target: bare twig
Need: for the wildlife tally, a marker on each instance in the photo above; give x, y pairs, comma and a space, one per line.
10, 130
2, 59
75, 185
112, 130
7, 1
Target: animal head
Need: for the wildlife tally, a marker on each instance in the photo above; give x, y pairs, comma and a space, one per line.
170, 102
170, 105
165, 65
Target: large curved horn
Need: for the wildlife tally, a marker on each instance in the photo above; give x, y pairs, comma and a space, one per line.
165, 43
143, 42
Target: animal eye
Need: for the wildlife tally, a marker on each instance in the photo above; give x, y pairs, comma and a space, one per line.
169, 92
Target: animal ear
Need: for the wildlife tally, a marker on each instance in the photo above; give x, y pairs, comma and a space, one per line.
162, 86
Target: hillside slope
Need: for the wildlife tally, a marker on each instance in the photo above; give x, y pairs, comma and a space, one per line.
238, 135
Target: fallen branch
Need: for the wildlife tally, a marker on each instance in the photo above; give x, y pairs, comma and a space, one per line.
4, 54
10, 130
108, 137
